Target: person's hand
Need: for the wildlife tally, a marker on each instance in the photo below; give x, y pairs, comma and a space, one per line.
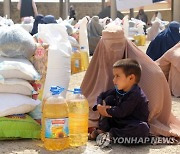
102, 110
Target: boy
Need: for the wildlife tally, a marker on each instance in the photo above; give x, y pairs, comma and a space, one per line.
125, 113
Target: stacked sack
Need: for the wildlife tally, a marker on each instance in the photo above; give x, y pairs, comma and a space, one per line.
16, 72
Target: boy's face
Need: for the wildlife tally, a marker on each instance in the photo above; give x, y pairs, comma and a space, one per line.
121, 81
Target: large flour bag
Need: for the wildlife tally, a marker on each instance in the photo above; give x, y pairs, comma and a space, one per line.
59, 55
16, 42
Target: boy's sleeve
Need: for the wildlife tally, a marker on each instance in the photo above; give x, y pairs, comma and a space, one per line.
100, 98
125, 108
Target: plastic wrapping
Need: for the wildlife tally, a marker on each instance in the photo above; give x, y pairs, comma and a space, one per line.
16, 42
126, 26
83, 36
59, 55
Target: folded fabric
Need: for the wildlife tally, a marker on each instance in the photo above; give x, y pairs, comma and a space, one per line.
17, 86
17, 68
16, 104
19, 126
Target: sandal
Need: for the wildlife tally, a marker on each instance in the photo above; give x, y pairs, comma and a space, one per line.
104, 140
92, 136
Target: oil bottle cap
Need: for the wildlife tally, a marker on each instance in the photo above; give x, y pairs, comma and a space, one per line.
55, 92
53, 88
77, 91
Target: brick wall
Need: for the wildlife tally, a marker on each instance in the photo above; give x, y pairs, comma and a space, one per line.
82, 10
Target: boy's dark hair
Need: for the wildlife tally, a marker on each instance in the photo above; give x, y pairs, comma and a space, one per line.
129, 66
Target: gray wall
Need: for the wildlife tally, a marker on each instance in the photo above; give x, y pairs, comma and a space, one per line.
82, 10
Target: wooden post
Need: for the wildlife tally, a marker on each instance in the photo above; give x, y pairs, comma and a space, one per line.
113, 9
7, 8
61, 9
66, 8
176, 10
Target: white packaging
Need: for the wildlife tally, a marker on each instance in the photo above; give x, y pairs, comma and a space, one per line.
83, 36
59, 55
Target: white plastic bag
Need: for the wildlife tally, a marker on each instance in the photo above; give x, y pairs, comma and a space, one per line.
16, 42
83, 36
126, 25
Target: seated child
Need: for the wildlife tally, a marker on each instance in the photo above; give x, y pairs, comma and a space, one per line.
125, 113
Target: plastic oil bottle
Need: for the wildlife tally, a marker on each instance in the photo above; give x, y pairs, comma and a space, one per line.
84, 59
78, 119
42, 119
75, 62
56, 122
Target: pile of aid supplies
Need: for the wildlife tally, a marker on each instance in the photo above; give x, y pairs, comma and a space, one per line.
64, 121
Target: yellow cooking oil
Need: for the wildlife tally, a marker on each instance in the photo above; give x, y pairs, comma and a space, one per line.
78, 119
42, 119
42, 124
140, 40
75, 62
84, 59
55, 121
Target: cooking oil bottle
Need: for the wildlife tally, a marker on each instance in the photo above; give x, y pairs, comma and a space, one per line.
84, 59
76, 62
140, 40
78, 119
42, 119
55, 121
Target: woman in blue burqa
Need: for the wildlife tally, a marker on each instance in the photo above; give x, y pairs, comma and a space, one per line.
164, 41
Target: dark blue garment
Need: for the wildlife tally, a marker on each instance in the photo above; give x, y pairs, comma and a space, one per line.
49, 19
38, 20
26, 8
129, 111
164, 41
155, 1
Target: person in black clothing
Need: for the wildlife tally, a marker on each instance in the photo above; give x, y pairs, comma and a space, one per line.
72, 13
106, 12
125, 113
27, 8
142, 16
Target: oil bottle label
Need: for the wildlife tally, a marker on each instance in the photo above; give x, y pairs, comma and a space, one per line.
56, 128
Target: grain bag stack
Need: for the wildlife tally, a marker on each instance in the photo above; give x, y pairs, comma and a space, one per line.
16, 72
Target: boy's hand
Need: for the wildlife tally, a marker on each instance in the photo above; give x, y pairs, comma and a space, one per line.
102, 110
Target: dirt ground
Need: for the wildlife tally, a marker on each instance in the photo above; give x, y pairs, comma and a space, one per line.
35, 146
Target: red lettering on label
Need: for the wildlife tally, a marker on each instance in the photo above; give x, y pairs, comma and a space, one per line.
58, 121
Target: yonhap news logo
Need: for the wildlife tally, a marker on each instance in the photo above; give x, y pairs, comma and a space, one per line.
144, 140
103, 140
